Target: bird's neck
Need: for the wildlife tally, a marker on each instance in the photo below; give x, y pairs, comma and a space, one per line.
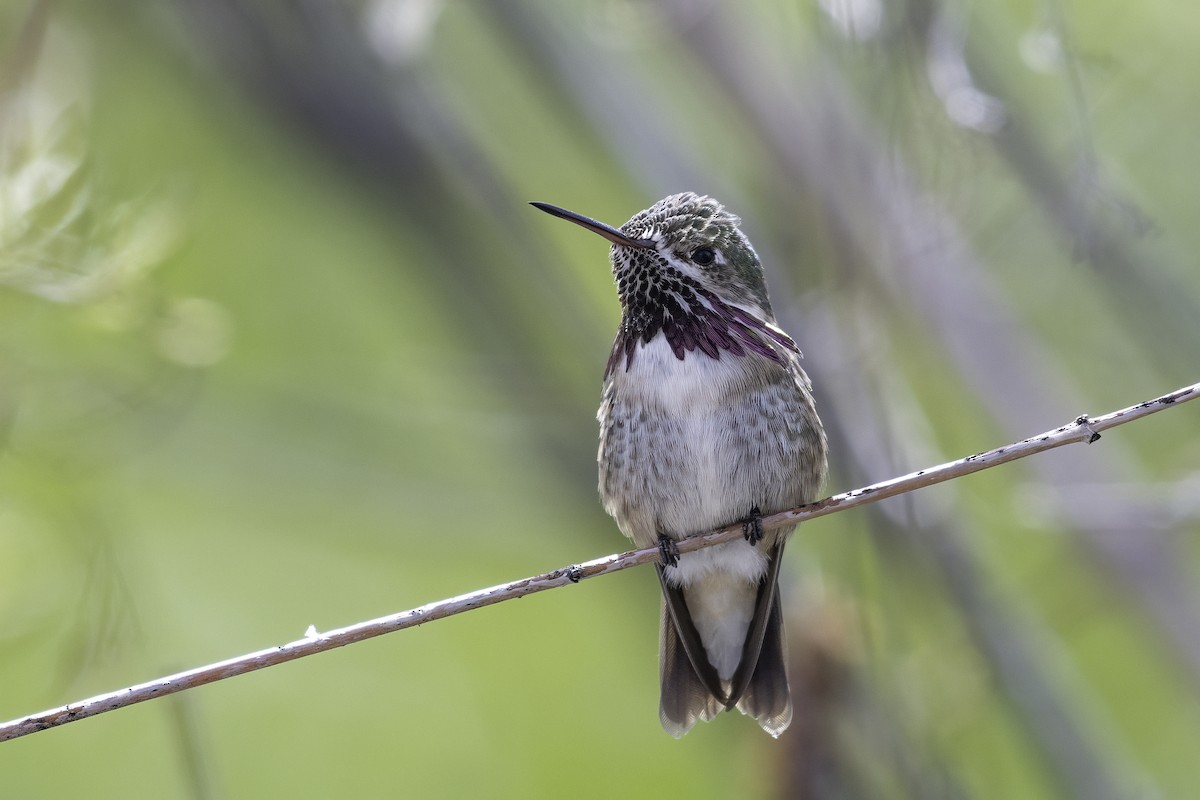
695, 323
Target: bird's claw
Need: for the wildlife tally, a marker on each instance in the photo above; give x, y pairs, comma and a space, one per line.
752, 527
668, 551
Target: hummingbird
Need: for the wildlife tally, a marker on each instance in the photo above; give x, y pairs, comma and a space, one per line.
706, 420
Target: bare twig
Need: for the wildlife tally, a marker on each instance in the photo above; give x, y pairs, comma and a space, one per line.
1083, 429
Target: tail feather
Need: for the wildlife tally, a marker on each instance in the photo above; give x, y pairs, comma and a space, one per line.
691, 688
685, 697
767, 698
760, 685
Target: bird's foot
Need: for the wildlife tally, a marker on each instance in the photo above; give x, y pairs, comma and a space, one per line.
752, 527
668, 551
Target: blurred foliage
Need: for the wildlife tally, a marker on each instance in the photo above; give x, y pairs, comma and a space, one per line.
283, 345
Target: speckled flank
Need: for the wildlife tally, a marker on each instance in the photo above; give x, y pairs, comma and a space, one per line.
691, 445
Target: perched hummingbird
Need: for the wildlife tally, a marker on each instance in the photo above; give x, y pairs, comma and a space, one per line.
707, 419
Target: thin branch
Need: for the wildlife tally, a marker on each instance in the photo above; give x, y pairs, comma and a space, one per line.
1083, 429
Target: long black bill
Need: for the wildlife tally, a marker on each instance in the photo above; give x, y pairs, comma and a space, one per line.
607, 231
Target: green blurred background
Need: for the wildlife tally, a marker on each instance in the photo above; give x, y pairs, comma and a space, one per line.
283, 345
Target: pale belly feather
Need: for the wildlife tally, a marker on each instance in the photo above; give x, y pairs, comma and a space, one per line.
691, 445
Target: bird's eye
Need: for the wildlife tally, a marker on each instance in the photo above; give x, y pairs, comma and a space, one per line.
703, 256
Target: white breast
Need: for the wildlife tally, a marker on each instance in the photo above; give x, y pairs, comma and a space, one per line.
695, 393
661, 381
